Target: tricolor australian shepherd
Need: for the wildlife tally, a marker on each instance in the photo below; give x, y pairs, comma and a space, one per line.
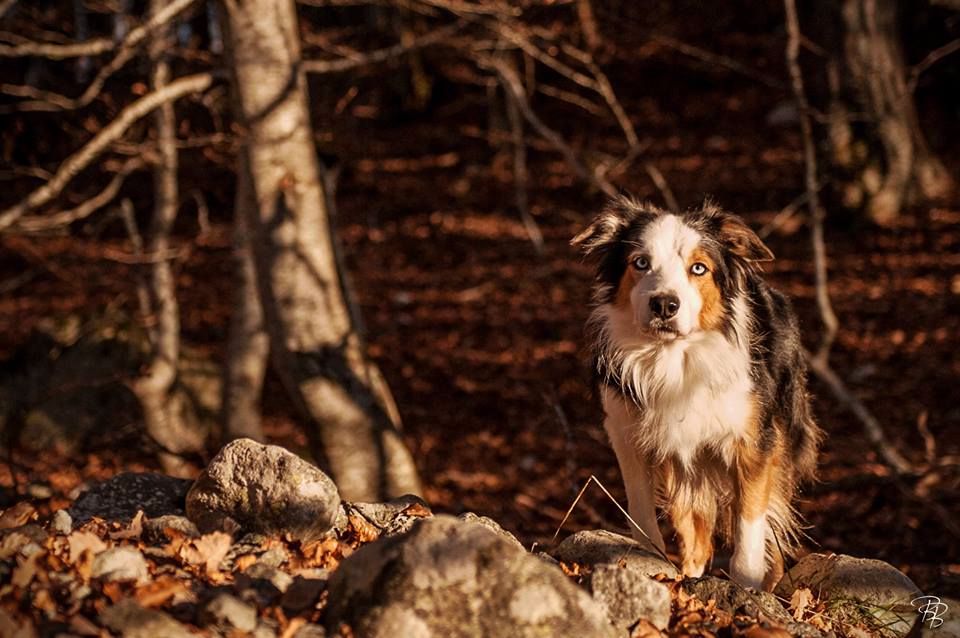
703, 382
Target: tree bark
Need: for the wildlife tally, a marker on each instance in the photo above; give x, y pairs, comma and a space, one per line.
163, 415
875, 141
248, 346
317, 349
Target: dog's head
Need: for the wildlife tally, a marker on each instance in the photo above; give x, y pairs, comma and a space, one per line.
676, 274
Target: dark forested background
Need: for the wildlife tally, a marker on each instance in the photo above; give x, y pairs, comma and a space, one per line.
455, 238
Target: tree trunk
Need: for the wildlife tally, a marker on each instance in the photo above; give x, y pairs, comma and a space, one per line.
875, 140
247, 344
317, 349
162, 411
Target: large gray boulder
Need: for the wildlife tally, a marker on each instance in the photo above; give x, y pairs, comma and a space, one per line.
595, 547
265, 489
454, 578
859, 591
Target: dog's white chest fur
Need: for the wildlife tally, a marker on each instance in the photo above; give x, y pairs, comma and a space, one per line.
695, 392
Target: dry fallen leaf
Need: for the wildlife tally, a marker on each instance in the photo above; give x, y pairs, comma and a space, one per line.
366, 532
801, 600
20, 514
83, 541
418, 510
208, 550
645, 629
25, 570
158, 592
133, 530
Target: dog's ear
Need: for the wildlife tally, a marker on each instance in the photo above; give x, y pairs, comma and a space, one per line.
738, 237
607, 226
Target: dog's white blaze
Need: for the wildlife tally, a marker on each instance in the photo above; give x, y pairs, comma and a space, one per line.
749, 562
668, 243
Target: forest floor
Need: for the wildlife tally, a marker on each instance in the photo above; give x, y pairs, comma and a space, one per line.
481, 338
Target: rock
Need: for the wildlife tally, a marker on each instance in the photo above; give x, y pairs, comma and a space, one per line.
629, 595
383, 515
395, 516
229, 612
594, 547
860, 591
448, 577
61, 522
120, 564
491, 525
130, 620
734, 599
121, 497
263, 582
155, 529
263, 488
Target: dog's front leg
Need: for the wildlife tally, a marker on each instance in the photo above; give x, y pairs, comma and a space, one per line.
754, 483
637, 474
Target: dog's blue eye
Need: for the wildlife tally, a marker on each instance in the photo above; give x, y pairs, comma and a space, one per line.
698, 269
641, 263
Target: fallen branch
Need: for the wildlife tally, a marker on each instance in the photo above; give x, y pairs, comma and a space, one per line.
871, 426
95, 147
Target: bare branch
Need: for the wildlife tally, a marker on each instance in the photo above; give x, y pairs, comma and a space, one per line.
109, 134
572, 98
63, 218
6, 5
520, 171
931, 58
381, 55
98, 45
127, 50
817, 213
871, 426
661, 183
514, 88
723, 61
57, 51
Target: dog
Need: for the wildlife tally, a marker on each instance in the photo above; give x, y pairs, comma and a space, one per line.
702, 378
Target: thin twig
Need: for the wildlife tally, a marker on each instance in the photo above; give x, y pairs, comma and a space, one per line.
719, 60
514, 88
101, 141
931, 58
817, 212
126, 50
520, 171
629, 518
41, 223
381, 55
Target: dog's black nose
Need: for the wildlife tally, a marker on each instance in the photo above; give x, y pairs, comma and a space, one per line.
665, 306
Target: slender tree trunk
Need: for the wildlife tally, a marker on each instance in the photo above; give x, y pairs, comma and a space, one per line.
247, 345
316, 347
875, 138
161, 407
